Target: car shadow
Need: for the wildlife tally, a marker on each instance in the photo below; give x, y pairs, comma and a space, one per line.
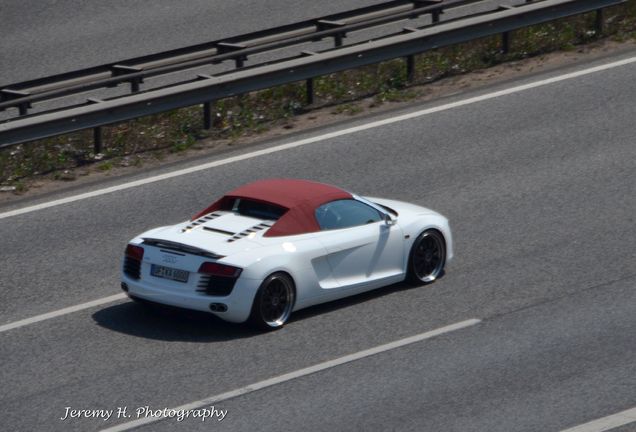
168, 323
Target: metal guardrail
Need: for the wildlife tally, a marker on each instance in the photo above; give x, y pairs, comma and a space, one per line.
237, 49
301, 67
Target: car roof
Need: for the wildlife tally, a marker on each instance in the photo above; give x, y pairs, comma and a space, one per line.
289, 193
299, 197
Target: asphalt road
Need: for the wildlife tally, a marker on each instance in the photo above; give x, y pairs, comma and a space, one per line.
44, 38
540, 190
47, 37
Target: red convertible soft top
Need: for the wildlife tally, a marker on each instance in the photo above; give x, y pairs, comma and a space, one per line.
299, 197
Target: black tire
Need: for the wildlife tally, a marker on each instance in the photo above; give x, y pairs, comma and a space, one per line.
273, 303
427, 258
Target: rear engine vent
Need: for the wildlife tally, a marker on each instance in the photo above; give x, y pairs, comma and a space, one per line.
255, 228
220, 231
201, 220
216, 285
132, 267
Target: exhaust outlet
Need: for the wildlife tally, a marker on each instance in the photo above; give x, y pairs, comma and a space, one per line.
218, 307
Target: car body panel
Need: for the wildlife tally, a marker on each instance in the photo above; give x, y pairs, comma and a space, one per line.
364, 253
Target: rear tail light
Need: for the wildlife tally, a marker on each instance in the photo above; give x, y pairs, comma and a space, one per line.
218, 279
134, 252
132, 261
223, 270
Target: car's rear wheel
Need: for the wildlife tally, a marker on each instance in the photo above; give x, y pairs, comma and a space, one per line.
273, 302
427, 257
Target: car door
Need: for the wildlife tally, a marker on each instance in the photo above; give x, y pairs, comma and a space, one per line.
361, 247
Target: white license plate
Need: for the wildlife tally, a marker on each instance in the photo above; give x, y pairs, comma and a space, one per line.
169, 273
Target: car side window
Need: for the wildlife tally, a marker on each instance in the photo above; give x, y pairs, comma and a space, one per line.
345, 213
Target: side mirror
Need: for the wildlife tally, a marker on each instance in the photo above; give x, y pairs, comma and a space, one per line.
389, 220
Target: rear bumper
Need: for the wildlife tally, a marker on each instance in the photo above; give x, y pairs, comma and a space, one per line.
239, 302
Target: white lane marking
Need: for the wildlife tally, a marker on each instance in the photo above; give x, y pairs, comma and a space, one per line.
299, 373
61, 312
322, 137
606, 423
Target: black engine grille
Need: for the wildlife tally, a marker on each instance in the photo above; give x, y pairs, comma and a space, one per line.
216, 285
132, 267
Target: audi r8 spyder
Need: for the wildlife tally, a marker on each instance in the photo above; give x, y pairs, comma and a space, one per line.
275, 246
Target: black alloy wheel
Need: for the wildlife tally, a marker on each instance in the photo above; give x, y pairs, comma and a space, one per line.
274, 302
427, 257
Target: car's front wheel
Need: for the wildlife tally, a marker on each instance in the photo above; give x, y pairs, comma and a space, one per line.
273, 302
427, 257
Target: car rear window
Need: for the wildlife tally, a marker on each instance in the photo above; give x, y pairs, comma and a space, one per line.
256, 209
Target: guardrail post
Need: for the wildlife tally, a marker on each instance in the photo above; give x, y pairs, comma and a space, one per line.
410, 59
9, 94
310, 91
207, 106
435, 13
505, 37
327, 24
410, 68
97, 139
97, 131
599, 22
207, 115
309, 83
228, 47
119, 70
505, 42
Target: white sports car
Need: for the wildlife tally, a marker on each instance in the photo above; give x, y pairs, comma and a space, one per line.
275, 246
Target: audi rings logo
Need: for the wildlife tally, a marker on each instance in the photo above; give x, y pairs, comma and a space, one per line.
168, 259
